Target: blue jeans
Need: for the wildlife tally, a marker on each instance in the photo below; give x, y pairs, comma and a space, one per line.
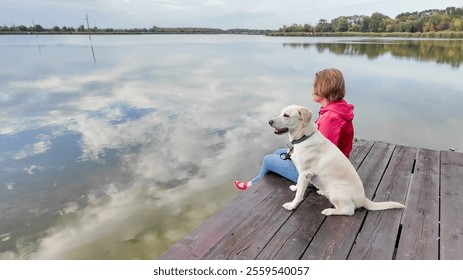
275, 164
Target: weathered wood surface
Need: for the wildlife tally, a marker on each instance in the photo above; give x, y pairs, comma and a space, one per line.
451, 238
255, 225
420, 224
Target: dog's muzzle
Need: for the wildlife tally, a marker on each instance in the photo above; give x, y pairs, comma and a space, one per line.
278, 130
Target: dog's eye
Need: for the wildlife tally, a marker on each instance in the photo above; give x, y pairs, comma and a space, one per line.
286, 115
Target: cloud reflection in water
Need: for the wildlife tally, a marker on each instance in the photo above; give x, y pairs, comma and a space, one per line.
146, 152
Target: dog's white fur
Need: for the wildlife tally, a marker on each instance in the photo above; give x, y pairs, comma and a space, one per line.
321, 163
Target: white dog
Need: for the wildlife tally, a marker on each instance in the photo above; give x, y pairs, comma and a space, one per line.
321, 163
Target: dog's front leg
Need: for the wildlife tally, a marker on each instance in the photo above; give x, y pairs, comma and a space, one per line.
301, 185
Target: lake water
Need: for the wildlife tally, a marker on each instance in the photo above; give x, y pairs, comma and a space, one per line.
118, 146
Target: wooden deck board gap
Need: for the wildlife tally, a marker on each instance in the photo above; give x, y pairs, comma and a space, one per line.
357, 235
439, 209
279, 228
410, 182
397, 241
365, 156
373, 196
382, 175
313, 237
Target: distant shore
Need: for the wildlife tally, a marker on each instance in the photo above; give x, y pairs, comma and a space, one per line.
122, 33
437, 35
134, 31
431, 35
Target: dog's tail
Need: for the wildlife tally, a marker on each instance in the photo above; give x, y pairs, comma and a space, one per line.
370, 205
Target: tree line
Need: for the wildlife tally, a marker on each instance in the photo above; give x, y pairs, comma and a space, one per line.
449, 19
37, 28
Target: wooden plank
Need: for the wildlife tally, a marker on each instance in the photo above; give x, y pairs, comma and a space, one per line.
360, 149
246, 239
373, 167
379, 233
336, 236
419, 237
294, 236
451, 239
201, 240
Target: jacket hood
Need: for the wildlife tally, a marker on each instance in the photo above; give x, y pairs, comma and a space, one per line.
340, 107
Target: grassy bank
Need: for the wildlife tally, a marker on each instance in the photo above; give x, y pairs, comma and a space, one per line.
435, 35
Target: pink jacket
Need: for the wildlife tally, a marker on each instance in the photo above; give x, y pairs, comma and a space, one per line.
335, 123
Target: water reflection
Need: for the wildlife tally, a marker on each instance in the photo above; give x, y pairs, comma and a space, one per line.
112, 160
440, 51
119, 159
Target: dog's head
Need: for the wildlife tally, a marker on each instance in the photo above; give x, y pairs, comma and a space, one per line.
293, 119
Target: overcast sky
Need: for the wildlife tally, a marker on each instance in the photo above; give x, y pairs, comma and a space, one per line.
225, 14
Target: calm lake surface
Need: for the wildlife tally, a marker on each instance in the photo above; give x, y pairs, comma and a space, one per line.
118, 146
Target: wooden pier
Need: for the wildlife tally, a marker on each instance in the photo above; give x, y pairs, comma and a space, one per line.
255, 225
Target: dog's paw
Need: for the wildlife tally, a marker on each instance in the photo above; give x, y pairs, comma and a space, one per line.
293, 188
320, 192
328, 211
289, 206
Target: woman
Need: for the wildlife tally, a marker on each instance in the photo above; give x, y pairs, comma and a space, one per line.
334, 122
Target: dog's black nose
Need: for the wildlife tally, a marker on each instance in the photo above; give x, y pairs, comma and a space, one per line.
270, 122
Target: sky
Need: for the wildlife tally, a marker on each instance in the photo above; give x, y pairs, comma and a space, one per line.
224, 14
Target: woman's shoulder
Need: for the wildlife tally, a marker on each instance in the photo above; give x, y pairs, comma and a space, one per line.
330, 118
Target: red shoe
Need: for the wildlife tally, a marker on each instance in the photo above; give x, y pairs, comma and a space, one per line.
243, 188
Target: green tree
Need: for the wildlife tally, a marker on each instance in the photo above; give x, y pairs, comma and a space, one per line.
413, 26
390, 25
323, 26
365, 24
377, 22
341, 24
307, 28
457, 24
37, 28
295, 28
21, 28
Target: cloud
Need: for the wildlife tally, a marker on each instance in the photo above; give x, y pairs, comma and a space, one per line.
200, 13
31, 170
126, 219
70, 207
9, 186
35, 149
5, 237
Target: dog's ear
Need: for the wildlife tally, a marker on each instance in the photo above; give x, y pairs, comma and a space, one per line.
305, 115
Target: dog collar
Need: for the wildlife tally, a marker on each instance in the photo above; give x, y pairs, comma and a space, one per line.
302, 139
